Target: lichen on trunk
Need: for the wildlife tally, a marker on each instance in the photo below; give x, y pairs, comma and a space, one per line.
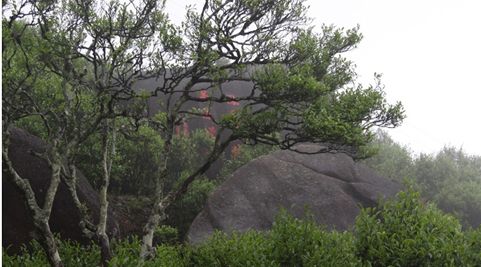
108, 147
157, 214
40, 216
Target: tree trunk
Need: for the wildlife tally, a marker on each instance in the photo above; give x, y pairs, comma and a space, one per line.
47, 241
40, 216
157, 213
86, 226
102, 236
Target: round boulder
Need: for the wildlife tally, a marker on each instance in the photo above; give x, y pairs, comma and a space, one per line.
330, 186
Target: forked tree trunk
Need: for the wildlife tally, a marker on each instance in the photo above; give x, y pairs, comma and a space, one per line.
97, 232
86, 226
40, 216
157, 214
91, 231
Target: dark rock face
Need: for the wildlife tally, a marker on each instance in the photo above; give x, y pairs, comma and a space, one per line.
17, 226
330, 186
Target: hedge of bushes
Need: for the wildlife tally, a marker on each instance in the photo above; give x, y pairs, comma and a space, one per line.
400, 232
451, 177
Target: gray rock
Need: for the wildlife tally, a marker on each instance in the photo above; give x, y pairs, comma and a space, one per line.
17, 225
330, 186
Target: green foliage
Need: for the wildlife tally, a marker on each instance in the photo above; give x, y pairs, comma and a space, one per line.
304, 243
183, 212
400, 232
72, 254
135, 162
165, 234
242, 154
90, 59
35, 94
473, 241
136, 166
138, 156
390, 159
451, 178
291, 242
343, 117
126, 254
186, 152
462, 199
406, 232
446, 168
248, 249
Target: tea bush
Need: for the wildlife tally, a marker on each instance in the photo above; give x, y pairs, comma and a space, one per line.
400, 232
406, 232
451, 178
303, 243
237, 250
72, 253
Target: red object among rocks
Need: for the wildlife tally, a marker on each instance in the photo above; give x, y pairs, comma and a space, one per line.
203, 94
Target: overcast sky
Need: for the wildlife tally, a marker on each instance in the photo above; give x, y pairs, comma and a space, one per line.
429, 54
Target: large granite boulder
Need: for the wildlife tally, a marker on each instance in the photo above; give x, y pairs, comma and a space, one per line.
17, 226
332, 187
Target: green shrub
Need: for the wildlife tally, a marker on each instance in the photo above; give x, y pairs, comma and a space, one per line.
296, 242
34, 256
401, 232
405, 232
451, 178
473, 240
183, 211
242, 154
462, 199
165, 234
291, 242
169, 256
72, 254
126, 253
237, 250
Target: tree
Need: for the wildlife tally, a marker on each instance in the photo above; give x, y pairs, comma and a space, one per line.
450, 178
67, 66
390, 159
23, 79
406, 232
294, 84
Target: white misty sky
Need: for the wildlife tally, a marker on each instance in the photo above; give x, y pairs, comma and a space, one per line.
429, 54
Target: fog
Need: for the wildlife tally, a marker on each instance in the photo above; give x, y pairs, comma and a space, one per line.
427, 53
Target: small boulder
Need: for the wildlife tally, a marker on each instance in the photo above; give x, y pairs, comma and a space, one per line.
330, 186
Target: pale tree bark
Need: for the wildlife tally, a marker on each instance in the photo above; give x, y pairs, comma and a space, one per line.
70, 177
157, 213
161, 203
108, 146
40, 216
90, 230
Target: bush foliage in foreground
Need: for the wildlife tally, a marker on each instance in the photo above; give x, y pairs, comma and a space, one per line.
400, 232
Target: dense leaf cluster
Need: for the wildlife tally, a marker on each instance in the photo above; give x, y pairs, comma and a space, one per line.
401, 232
451, 178
75, 72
